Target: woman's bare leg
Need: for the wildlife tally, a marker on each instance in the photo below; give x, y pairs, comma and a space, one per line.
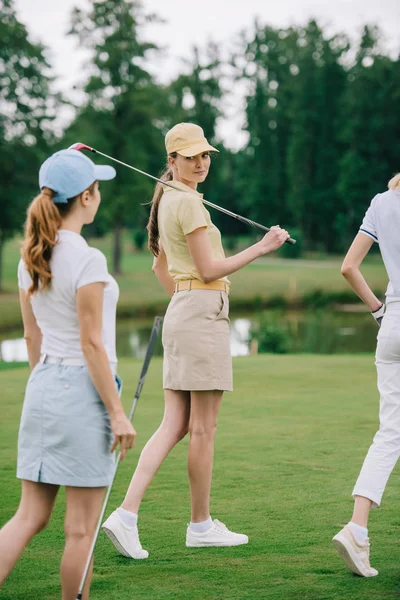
204, 407
362, 507
33, 514
81, 517
173, 428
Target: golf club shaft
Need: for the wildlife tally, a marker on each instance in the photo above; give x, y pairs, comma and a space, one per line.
149, 353
258, 226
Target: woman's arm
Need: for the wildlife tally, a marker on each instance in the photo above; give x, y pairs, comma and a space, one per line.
32, 333
351, 270
89, 301
160, 269
210, 269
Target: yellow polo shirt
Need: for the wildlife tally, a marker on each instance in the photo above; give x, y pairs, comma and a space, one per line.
180, 213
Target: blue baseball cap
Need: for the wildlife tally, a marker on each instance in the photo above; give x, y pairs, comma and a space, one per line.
69, 173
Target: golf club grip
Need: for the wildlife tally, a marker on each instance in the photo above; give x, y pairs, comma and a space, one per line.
254, 224
289, 241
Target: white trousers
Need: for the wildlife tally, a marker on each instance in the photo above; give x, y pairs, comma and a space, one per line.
385, 450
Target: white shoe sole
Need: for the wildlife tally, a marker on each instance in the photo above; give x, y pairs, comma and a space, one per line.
211, 544
345, 551
118, 546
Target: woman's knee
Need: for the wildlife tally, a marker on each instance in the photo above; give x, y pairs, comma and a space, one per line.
78, 530
182, 433
177, 431
35, 522
204, 431
183, 429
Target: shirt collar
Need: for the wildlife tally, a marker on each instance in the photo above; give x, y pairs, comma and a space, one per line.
67, 234
181, 186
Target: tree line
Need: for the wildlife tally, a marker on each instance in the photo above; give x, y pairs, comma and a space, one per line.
321, 116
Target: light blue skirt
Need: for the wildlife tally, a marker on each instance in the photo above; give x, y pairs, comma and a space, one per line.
65, 432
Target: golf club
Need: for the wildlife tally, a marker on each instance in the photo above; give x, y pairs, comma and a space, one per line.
149, 353
80, 146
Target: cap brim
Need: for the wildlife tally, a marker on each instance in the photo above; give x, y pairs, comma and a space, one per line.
104, 172
197, 149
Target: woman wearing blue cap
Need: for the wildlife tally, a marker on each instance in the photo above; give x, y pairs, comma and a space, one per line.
72, 418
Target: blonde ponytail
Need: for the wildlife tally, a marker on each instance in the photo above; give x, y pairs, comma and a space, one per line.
394, 183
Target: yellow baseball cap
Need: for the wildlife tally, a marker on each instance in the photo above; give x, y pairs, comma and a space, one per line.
187, 139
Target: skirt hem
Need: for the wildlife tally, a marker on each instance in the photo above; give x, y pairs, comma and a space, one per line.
201, 386
90, 483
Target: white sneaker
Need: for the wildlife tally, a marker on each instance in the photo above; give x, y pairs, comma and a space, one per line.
217, 535
355, 555
125, 539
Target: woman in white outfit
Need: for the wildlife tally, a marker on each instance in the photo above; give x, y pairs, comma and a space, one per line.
72, 418
190, 263
382, 225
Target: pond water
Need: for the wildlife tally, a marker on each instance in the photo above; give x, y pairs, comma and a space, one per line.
316, 331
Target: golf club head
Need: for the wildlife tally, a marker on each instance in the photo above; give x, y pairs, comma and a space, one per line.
80, 146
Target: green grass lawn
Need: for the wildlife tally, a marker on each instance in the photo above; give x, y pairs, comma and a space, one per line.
290, 443
266, 282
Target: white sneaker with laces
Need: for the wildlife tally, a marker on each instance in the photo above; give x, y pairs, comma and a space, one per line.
125, 539
354, 555
217, 535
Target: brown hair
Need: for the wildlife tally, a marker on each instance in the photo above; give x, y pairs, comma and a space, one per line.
152, 225
44, 219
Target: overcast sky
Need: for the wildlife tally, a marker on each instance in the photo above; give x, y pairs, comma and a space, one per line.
190, 22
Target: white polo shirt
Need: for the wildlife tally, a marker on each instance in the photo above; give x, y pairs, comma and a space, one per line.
382, 224
73, 264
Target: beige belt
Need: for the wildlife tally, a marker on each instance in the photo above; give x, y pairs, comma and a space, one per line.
70, 362
195, 284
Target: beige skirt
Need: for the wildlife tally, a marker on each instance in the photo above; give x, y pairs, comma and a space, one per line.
195, 337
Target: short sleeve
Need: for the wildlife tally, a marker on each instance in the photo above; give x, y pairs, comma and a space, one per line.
24, 280
191, 213
93, 270
368, 226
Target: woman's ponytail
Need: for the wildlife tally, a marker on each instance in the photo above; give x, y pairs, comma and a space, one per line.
41, 226
152, 225
43, 221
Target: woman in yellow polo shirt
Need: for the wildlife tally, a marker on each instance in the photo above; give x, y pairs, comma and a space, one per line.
190, 264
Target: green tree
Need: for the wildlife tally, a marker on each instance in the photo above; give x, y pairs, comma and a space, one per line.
197, 96
295, 84
267, 65
370, 131
122, 111
314, 149
27, 109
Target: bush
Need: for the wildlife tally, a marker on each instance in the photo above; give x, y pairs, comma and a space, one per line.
270, 336
296, 251
229, 243
320, 298
139, 237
